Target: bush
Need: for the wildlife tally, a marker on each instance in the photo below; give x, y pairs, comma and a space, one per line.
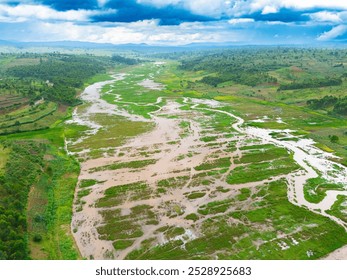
37, 238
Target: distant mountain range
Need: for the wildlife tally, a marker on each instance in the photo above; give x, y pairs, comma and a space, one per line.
142, 47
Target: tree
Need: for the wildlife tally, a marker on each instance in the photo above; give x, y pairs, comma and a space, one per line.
334, 138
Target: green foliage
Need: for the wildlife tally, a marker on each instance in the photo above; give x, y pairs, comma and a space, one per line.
85, 183
194, 217
334, 138
58, 76
122, 244
124, 60
243, 66
218, 163
312, 83
339, 105
339, 208
196, 195
256, 155
175, 182
128, 226
37, 238
24, 165
119, 194
120, 165
256, 234
315, 189
261, 171
244, 194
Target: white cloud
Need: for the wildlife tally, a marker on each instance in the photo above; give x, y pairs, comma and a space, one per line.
333, 33
240, 20
244, 7
269, 10
159, 3
213, 8
138, 32
26, 12
306, 4
102, 3
53, 25
237, 8
325, 16
259, 5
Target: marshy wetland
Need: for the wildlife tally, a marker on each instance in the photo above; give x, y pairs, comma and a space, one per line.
209, 155
199, 182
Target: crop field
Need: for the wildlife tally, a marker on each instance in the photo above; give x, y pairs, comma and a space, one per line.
38, 177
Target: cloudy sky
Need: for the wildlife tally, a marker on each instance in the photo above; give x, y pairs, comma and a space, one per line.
175, 22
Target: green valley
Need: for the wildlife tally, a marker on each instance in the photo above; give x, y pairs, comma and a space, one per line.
236, 153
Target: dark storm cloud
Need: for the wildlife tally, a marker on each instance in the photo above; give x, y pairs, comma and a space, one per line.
283, 15
131, 11
65, 5
123, 21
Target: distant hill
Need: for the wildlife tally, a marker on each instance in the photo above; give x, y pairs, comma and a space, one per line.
144, 47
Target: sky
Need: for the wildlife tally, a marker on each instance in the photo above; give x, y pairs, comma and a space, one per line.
175, 22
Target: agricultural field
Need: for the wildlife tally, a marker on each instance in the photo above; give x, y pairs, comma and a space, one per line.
217, 154
37, 176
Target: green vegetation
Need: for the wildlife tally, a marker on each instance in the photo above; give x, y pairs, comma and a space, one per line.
315, 189
290, 233
273, 88
120, 165
263, 155
37, 179
339, 105
194, 217
122, 244
129, 226
119, 194
23, 167
43, 215
175, 182
339, 208
261, 171
58, 75
312, 83
219, 163
116, 130
49, 209
85, 183
196, 195
124, 60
